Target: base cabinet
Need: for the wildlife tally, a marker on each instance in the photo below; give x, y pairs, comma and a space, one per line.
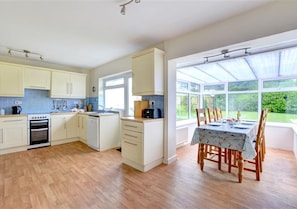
13, 132
142, 143
64, 128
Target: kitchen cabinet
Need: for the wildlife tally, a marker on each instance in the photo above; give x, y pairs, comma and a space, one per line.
142, 143
11, 80
103, 131
82, 127
64, 128
68, 85
37, 78
147, 72
13, 132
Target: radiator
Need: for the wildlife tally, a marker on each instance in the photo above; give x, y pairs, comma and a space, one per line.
181, 136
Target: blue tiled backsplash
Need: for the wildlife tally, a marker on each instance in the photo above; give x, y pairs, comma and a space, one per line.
38, 101
159, 102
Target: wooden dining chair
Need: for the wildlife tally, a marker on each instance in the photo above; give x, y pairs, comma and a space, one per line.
211, 114
219, 114
258, 144
211, 152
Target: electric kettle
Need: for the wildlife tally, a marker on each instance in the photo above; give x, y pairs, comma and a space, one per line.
16, 109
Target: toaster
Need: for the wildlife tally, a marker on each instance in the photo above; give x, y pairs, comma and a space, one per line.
152, 113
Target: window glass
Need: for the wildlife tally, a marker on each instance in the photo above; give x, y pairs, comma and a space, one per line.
219, 87
243, 86
195, 87
181, 86
182, 106
114, 98
194, 104
246, 103
282, 106
218, 100
280, 83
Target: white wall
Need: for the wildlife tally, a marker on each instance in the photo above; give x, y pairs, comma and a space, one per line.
274, 18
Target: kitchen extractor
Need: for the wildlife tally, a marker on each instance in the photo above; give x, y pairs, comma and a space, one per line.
38, 130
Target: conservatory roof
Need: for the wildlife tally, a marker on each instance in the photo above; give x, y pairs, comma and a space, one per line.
268, 65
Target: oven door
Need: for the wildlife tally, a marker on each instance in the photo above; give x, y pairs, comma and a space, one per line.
39, 132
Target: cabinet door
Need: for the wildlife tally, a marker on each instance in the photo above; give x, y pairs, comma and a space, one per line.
13, 132
60, 85
36, 78
78, 86
147, 71
142, 67
82, 126
71, 126
11, 80
58, 127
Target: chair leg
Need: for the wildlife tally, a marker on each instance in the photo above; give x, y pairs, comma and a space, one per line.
198, 154
257, 159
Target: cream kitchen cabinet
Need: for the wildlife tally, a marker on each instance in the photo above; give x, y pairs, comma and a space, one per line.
82, 127
68, 85
147, 72
11, 80
142, 143
13, 132
37, 78
64, 128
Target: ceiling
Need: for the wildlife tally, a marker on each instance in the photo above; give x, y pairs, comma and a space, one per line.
89, 33
245, 66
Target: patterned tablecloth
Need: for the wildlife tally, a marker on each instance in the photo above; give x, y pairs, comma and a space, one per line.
229, 137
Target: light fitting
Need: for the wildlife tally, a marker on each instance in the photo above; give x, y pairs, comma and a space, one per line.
26, 53
226, 53
123, 6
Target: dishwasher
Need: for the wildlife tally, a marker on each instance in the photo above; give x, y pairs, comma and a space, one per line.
103, 131
93, 132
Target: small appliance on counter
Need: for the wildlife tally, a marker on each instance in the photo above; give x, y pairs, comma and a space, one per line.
152, 113
16, 109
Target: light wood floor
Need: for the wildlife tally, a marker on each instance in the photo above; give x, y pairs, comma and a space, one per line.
74, 176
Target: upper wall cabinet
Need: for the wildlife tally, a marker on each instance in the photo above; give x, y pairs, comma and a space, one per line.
68, 85
147, 71
11, 80
37, 78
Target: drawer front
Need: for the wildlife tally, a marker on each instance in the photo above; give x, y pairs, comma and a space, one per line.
132, 136
132, 126
132, 151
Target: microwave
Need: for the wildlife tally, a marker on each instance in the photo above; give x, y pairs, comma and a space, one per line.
152, 113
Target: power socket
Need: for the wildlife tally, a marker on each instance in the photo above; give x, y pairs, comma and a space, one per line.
151, 103
18, 102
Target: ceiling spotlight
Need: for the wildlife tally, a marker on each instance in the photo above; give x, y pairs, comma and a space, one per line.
9, 52
123, 6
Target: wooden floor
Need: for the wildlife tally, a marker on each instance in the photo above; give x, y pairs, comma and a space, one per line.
74, 176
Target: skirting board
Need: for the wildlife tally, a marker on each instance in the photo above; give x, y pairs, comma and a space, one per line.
142, 168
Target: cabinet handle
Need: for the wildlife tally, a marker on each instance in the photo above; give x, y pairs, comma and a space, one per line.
131, 126
43, 87
131, 143
8, 121
131, 136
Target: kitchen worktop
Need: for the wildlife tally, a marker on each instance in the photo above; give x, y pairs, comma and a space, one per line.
141, 120
13, 115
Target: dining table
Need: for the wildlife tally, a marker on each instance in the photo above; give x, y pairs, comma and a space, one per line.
237, 136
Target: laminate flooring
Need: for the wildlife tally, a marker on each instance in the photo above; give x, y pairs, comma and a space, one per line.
74, 176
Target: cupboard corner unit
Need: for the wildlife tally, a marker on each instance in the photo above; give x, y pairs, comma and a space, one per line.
11, 80
148, 72
68, 85
142, 143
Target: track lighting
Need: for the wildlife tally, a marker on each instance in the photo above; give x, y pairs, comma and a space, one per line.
226, 53
123, 6
26, 53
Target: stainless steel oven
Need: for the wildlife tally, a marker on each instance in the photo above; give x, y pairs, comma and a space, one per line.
38, 130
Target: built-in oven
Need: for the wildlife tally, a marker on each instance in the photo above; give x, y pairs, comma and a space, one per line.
38, 130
